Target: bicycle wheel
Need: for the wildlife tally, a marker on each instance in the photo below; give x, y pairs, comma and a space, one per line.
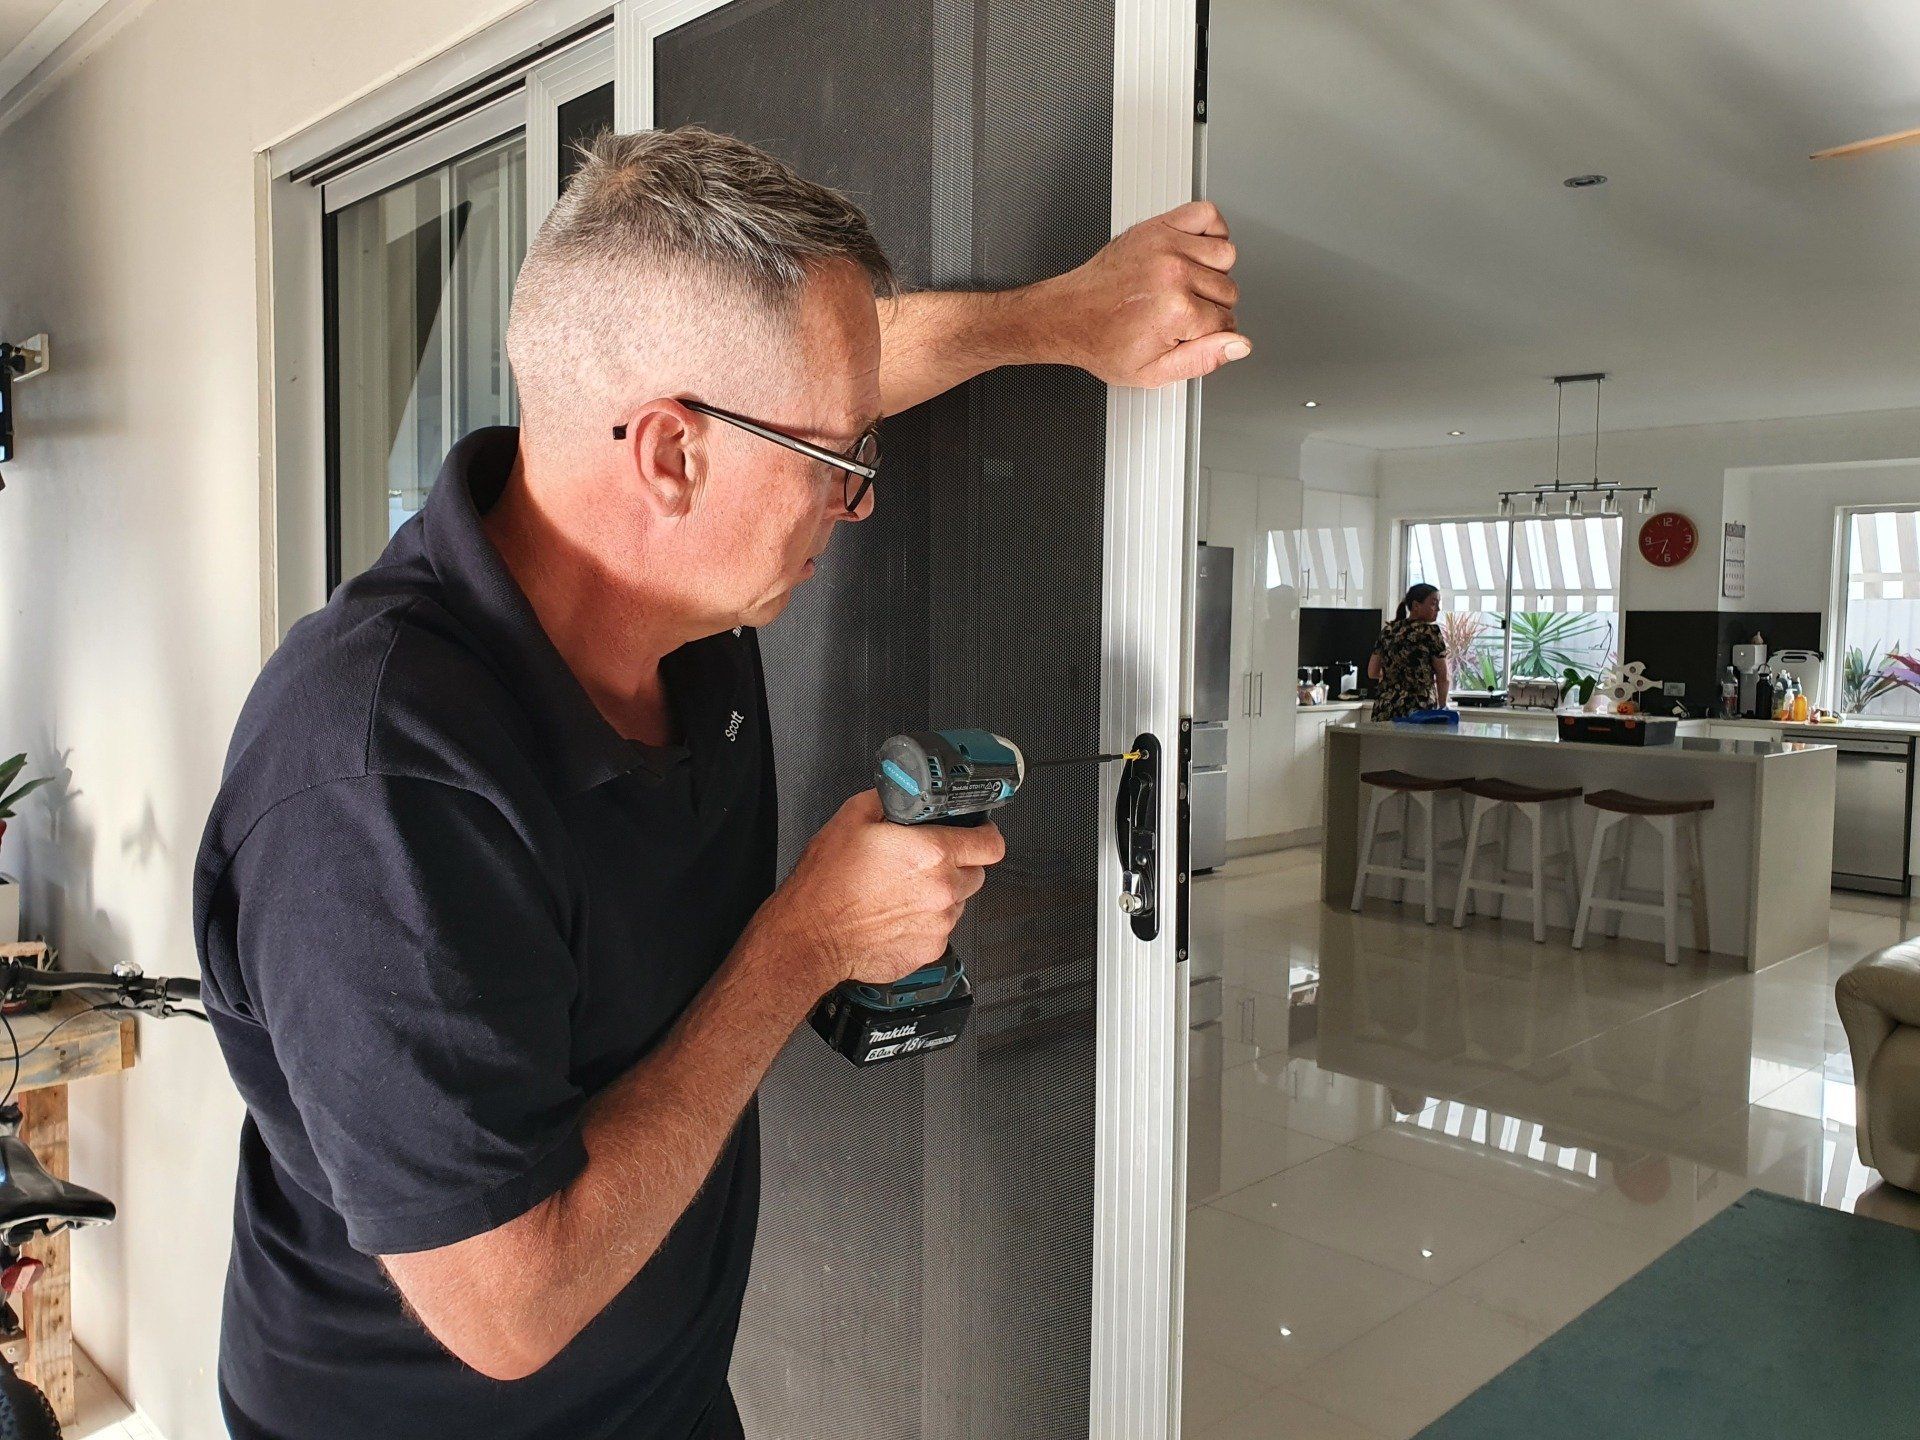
25, 1413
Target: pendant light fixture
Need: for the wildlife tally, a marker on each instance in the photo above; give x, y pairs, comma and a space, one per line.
1575, 491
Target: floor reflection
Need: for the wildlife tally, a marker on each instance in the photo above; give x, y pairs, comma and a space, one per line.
1413, 1152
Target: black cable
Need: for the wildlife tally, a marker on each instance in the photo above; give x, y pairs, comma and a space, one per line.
14, 1041
27, 1054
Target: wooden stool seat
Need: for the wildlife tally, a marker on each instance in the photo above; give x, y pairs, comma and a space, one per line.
1514, 793
1622, 803
1403, 782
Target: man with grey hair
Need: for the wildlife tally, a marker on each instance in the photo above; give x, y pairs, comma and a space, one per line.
486, 905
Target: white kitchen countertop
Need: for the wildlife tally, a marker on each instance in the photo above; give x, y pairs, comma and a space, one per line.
1849, 726
1506, 733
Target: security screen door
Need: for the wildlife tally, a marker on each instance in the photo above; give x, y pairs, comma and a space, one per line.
973, 1243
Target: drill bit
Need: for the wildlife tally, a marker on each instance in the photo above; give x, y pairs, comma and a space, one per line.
1088, 759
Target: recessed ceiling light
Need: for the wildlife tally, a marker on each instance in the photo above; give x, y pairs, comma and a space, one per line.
1456, 432
1583, 182
1285, 1330
1426, 1254
1310, 404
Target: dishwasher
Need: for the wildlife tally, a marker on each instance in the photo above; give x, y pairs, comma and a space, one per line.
1872, 809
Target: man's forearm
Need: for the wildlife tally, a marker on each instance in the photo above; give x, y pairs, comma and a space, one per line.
935, 340
652, 1138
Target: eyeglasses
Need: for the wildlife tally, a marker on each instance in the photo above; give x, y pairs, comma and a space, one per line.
859, 464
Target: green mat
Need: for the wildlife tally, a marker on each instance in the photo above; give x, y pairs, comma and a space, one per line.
1775, 1318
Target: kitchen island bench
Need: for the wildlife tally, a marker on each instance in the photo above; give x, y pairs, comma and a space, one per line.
1768, 838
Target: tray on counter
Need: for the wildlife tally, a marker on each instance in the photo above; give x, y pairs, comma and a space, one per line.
1619, 729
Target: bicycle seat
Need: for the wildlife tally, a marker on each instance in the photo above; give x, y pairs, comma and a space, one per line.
33, 1202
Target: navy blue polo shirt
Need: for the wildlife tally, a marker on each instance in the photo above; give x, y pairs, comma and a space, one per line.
441, 903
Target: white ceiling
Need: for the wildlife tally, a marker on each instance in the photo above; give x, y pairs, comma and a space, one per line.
1410, 258
17, 19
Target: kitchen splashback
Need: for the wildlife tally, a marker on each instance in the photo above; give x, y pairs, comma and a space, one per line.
1696, 646
1331, 634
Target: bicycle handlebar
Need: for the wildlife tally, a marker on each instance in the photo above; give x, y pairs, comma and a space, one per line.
128, 987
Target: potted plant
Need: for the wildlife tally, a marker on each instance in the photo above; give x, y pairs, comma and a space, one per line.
10, 796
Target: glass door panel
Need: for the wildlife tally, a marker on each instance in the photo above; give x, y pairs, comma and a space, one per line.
419, 279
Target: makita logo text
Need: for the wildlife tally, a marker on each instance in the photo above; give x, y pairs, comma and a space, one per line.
898, 1032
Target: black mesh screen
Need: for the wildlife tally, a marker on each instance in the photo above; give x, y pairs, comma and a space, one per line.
924, 1263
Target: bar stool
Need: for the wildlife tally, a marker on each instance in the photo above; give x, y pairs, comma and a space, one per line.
1414, 790
1618, 808
1530, 801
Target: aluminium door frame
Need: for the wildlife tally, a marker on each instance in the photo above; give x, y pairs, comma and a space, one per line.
1139, 1146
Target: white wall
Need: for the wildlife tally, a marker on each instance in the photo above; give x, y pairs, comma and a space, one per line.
130, 581
1691, 465
1791, 512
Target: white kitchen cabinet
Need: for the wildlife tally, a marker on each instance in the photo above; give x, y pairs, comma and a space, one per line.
1357, 525
1276, 636
1331, 548
1232, 511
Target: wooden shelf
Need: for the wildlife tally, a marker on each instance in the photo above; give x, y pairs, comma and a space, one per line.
84, 1044
67, 1041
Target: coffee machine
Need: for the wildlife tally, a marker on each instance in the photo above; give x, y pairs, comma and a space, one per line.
1751, 662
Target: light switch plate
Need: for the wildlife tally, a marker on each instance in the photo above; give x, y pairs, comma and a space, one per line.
1676, 688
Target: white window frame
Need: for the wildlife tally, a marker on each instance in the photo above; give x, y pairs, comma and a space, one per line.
1831, 670
578, 72
291, 210
1403, 545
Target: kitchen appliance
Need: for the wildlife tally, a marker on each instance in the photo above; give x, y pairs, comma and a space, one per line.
1619, 729
1212, 675
1804, 666
1751, 662
1872, 807
1533, 693
1478, 699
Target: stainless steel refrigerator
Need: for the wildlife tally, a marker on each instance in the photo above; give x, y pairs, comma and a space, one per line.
1212, 667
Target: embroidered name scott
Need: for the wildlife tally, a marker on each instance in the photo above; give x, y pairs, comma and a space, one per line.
734, 724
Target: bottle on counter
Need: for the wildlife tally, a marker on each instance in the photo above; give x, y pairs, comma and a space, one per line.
1783, 689
1304, 694
1800, 704
1730, 693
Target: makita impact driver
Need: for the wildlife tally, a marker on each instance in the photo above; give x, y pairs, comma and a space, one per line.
937, 777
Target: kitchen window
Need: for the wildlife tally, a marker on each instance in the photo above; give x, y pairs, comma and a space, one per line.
1879, 625
1522, 598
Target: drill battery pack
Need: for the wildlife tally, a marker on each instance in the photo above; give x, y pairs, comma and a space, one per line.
867, 1034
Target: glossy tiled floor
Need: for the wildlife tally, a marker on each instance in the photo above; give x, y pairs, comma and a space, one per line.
1414, 1152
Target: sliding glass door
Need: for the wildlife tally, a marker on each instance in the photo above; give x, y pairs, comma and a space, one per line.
420, 275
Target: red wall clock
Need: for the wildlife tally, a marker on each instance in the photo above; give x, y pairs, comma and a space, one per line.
1668, 538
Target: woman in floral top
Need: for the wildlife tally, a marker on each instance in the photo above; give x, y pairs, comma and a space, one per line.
1410, 661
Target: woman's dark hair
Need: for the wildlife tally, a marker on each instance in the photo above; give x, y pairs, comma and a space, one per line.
1415, 594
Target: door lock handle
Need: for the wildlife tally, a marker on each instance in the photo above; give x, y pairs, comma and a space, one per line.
1136, 832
